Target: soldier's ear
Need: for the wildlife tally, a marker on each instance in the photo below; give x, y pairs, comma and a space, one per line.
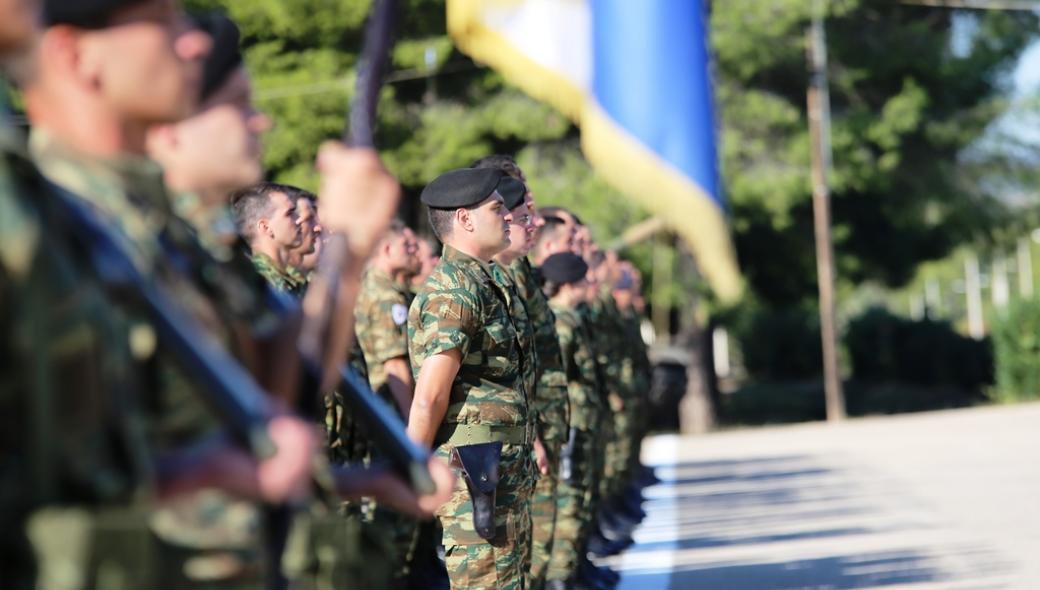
462, 219
262, 227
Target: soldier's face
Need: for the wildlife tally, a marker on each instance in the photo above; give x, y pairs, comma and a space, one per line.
219, 146
307, 221
147, 62
402, 252
281, 226
489, 223
521, 231
19, 24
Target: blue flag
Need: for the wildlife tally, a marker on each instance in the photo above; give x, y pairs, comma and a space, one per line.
635, 77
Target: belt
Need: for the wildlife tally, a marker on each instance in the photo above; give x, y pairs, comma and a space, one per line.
459, 435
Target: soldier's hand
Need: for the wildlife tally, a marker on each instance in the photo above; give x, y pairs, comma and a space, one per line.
358, 196
541, 457
286, 475
389, 490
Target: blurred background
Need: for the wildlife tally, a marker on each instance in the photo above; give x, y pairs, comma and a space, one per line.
934, 127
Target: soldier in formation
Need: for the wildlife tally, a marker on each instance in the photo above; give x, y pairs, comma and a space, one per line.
128, 468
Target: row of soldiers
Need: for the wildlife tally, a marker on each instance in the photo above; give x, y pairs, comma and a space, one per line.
115, 472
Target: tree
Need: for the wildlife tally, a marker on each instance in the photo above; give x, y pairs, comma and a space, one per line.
910, 94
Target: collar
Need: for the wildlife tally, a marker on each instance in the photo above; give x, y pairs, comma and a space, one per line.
458, 257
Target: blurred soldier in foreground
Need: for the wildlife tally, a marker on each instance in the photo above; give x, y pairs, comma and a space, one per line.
86, 105
107, 71
470, 403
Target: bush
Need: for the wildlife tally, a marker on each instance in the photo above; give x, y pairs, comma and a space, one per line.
884, 348
780, 344
780, 403
1016, 346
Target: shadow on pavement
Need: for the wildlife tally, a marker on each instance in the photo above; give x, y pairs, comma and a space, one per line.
790, 522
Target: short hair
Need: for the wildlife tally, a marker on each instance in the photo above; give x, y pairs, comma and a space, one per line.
295, 194
501, 162
553, 211
596, 258
441, 221
549, 230
252, 203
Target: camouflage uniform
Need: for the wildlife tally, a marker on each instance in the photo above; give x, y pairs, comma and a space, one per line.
460, 306
206, 536
287, 280
551, 412
611, 350
578, 490
382, 330
641, 379
334, 544
74, 462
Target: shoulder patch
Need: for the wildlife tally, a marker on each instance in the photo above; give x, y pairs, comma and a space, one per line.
399, 313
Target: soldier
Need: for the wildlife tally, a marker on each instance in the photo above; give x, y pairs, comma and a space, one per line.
305, 258
550, 398
92, 116
580, 470
382, 315
382, 329
553, 237
471, 402
89, 484
265, 215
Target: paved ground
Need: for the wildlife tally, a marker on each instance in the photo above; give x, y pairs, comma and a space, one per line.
947, 500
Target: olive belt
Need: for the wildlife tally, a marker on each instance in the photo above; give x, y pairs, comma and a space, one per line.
459, 435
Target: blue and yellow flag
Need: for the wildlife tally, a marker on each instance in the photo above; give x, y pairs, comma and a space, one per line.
634, 75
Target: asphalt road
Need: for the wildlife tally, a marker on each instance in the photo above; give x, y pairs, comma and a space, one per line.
945, 500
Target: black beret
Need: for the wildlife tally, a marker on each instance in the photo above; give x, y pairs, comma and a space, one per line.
224, 57
461, 188
513, 192
564, 268
89, 14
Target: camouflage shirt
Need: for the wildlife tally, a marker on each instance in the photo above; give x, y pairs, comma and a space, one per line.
129, 192
460, 306
382, 322
287, 279
581, 368
521, 318
550, 401
68, 379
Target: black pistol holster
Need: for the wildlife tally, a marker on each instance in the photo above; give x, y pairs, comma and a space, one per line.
479, 464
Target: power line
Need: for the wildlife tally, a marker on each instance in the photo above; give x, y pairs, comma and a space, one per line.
1022, 5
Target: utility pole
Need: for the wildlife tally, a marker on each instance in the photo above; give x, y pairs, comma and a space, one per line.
820, 131
973, 293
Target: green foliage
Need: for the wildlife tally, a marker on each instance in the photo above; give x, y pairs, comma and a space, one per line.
1016, 344
905, 107
778, 344
887, 348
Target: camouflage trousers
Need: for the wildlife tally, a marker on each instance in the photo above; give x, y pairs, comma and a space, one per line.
576, 505
403, 533
504, 562
543, 516
338, 550
84, 549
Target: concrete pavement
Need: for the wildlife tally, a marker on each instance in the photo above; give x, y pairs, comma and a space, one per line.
944, 500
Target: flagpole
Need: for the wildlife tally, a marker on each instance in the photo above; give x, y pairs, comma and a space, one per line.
819, 129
